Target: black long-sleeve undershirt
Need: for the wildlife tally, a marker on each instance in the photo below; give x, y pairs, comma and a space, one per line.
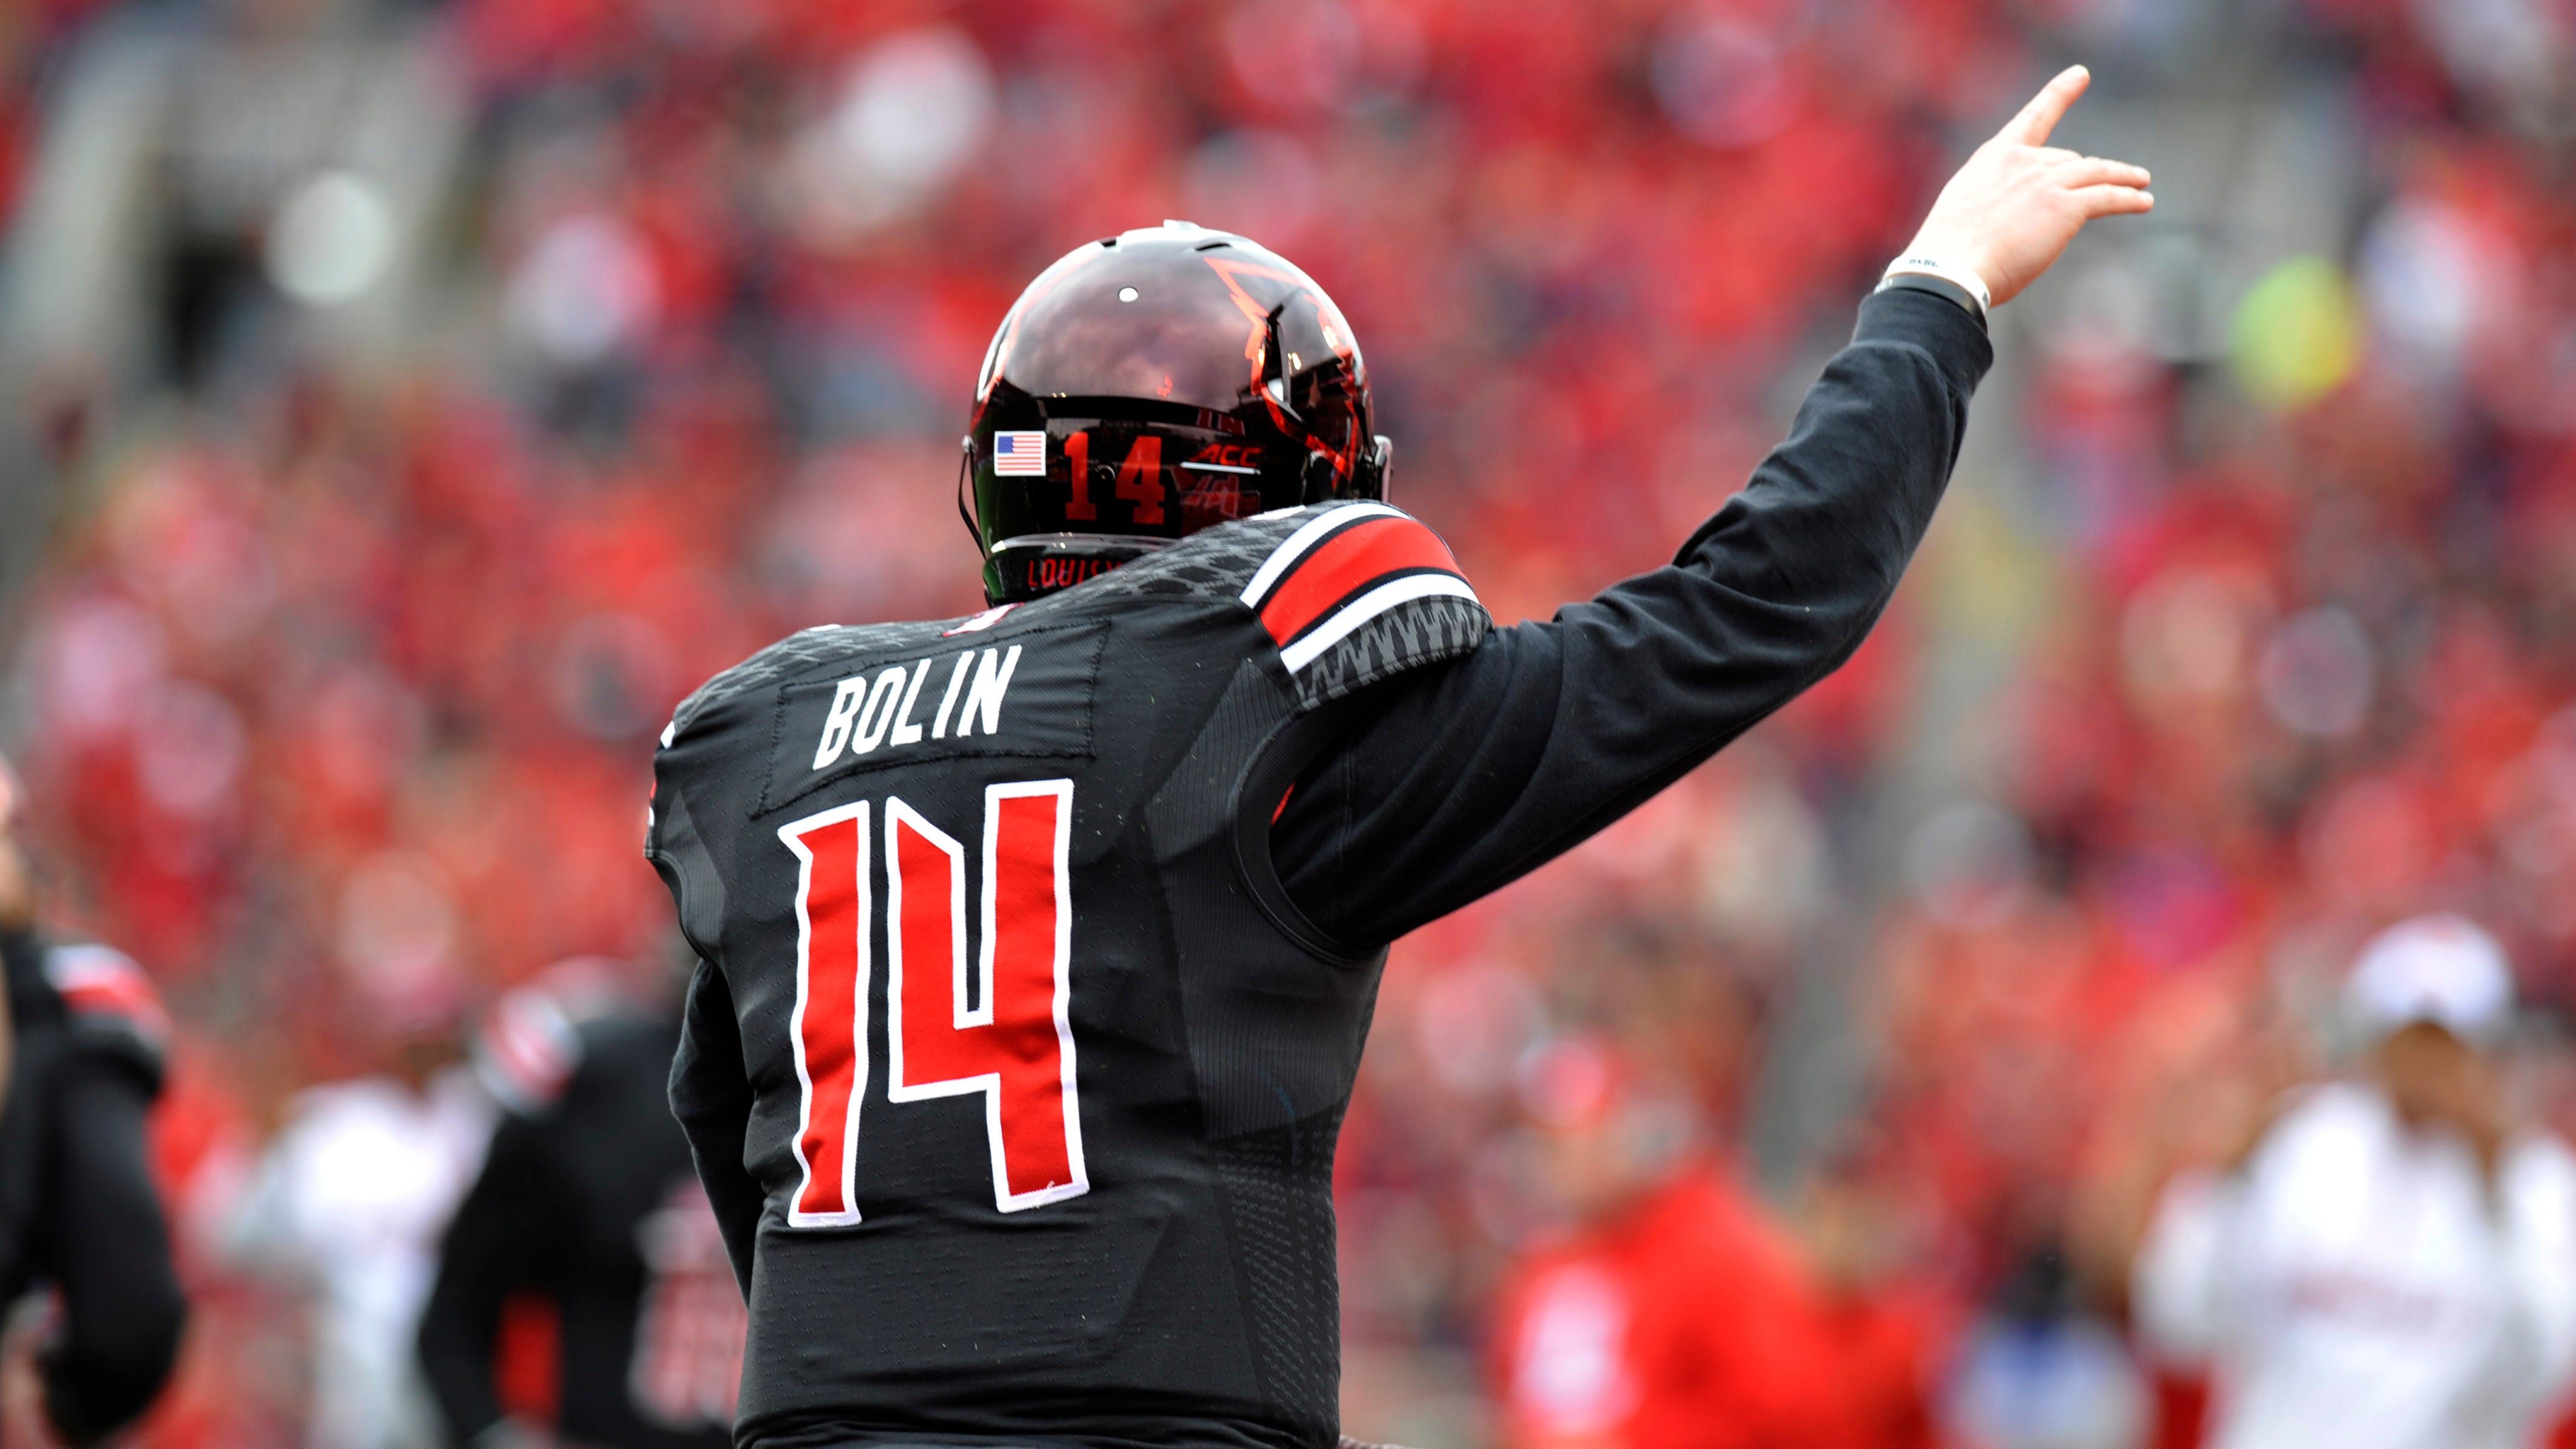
1450, 784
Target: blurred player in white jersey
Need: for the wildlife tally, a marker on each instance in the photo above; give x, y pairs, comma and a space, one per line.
2392, 1263
349, 1203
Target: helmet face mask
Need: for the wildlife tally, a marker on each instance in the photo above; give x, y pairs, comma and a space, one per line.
1154, 384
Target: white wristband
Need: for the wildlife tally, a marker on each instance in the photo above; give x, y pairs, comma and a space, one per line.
1965, 278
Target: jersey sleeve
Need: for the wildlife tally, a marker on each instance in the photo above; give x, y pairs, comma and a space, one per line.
1349, 593
122, 1308
1449, 783
1358, 593
710, 765
114, 1009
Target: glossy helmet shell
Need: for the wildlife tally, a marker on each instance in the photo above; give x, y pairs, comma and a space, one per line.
1153, 384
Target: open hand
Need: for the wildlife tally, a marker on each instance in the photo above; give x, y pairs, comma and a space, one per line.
2018, 201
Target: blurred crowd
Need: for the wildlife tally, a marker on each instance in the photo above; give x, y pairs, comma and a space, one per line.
420, 397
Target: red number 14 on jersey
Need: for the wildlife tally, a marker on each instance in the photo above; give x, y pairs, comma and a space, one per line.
997, 1025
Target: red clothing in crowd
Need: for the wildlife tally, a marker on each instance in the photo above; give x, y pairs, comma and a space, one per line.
1689, 1322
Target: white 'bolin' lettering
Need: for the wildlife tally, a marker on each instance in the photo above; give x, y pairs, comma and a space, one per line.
879, 709
948, 701
986, 691
836, 725
868, 714
905, 731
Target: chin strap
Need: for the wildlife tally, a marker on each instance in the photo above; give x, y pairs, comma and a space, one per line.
966, 470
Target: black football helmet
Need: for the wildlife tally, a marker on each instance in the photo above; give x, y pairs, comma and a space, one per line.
1152, 384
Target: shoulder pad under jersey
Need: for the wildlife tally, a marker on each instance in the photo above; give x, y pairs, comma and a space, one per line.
797, 653
111, 1005
1349, 593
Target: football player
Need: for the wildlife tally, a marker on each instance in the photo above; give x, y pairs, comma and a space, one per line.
78, 1210
588, 1201
1038, 946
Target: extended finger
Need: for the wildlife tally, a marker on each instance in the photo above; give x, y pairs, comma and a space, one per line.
2112, 200
2099, 170
2031, 127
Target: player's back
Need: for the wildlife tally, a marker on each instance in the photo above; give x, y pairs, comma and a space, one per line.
587, 1201
1045, 1068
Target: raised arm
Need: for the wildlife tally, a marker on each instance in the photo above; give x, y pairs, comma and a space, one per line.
1441, 789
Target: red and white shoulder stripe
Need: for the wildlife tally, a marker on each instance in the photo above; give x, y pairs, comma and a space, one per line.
1344, 568
526, 1049
102, 982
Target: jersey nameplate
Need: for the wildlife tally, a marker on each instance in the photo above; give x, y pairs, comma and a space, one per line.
1025, 695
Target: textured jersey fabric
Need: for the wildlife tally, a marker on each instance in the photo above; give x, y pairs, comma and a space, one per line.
1452, 782
936, 1256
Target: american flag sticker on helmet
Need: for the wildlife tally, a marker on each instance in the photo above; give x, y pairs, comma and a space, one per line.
1020, 455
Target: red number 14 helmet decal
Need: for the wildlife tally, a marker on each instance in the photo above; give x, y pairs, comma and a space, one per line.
994, 1023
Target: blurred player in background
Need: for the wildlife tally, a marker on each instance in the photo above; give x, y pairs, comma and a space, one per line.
2390, 1263
1187, 780
587, 1201
79, 1214
351, 1196
1611, 1337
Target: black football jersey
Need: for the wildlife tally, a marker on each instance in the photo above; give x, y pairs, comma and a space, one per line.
1014, 1060
588, 1200
78, 1209
1047, 1069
